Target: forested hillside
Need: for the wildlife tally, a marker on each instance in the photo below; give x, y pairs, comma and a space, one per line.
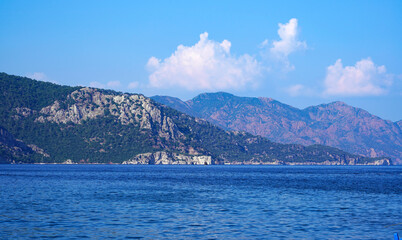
87, 125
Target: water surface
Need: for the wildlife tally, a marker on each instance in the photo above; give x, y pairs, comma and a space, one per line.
205, 202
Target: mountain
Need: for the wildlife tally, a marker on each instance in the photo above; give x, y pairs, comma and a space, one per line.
177, 104
62, 124
335, 124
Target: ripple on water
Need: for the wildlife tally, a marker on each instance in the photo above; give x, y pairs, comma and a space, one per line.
208, 202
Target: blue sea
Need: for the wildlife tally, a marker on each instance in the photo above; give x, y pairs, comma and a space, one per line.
200, 202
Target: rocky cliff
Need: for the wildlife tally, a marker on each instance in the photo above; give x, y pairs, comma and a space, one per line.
336, 124
88, 103
168, 158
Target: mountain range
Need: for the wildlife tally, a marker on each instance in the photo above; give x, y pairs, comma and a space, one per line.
335, 124
42, 122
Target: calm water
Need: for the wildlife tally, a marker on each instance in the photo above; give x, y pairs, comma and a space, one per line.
205, 202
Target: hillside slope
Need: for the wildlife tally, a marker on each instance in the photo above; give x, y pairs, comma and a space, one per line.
335, 124
13, 150
87, 125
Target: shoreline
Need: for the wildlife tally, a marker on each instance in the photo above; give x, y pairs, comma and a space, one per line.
232, 164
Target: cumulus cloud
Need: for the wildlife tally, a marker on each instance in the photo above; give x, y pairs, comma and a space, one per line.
364, 78
207, 65
288, 43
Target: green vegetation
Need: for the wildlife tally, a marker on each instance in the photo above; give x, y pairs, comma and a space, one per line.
105, 139
18, 91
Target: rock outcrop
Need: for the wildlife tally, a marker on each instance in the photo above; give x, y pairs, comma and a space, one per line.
38, 150
90, 103
163, 157
379, 162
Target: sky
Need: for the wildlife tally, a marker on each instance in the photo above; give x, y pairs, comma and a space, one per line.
301, 53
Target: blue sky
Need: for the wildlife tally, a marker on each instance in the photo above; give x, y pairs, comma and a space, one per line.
301, 53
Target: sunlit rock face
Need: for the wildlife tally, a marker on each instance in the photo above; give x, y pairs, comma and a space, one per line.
89, 103
168, 158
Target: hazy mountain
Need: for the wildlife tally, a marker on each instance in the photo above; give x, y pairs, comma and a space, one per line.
87, 125
176, 102
335, 124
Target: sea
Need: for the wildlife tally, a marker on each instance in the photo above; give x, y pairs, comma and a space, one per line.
200, 202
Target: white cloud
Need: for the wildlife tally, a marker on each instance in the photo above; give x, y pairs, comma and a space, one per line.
289, 43
97, 85
153, 64
133, 85
207, 65
114, 84
364, 78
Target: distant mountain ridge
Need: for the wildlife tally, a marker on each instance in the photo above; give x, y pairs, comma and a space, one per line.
47, 123
335, 124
